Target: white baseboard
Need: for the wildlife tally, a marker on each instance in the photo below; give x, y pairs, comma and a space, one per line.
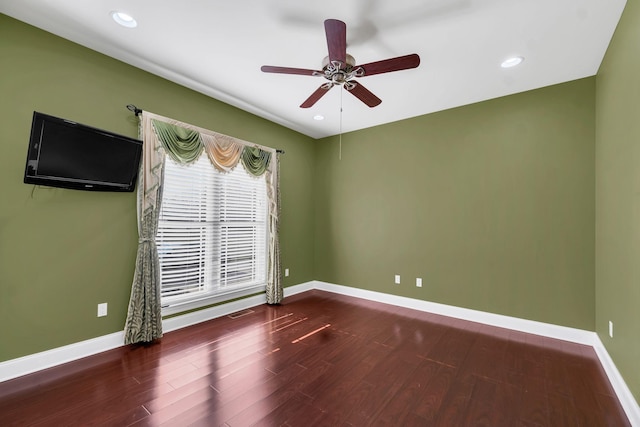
47, 359
298, 289
625, 396
529, 326
28, 364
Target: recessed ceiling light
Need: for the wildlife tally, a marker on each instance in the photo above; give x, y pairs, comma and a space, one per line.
512, 62
124, 19
318, 117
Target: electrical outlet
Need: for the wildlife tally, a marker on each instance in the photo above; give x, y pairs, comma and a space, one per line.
397, 279
102, 309
610, 328
286, 272
419, 282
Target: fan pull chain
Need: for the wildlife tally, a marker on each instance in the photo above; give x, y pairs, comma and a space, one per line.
340, 150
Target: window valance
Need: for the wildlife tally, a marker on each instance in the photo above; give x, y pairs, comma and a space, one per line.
186, 145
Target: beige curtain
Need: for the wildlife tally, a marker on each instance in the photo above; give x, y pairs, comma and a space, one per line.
274, 290
184, 143
144, 320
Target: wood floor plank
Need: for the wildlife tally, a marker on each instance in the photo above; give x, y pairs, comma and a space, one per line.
234, 401
452, 347
562, 411
346, 392
492, 404
296, 411
388, 377
534, 406
354, 358
436, 388
401, 405
276, 402
323, 359
455, 403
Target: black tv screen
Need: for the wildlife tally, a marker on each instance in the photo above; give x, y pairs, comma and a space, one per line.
66, 154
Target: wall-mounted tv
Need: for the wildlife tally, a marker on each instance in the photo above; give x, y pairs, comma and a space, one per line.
66, 154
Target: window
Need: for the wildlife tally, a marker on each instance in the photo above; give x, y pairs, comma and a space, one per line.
212, 235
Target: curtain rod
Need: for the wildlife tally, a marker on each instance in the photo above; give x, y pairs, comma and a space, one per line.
138, 111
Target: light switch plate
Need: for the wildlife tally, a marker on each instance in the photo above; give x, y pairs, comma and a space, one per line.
102, 309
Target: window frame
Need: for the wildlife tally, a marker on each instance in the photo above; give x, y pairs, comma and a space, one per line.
180, 304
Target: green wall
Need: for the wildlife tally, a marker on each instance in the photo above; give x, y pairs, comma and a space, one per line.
618, 197
491, 204
63, 251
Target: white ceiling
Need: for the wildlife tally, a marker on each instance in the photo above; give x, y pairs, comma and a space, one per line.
217, 47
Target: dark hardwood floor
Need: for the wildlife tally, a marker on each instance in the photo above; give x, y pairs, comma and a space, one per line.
322, 359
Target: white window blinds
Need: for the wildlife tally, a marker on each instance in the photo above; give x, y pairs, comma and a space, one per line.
212, 232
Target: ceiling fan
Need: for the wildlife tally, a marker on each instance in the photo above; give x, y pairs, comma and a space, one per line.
340, 68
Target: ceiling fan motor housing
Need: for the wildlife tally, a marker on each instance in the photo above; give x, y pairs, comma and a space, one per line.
338, 73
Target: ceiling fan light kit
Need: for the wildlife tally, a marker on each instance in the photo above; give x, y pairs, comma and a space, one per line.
340, 69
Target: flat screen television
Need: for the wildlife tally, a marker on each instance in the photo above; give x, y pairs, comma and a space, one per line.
66, 154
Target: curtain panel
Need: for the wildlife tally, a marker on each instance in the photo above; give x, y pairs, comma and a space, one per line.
274, 290
144, 319
185, 143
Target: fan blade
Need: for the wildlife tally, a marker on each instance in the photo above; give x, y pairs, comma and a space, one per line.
363, 94
315, 96
392, 64
336, 40
288, 70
